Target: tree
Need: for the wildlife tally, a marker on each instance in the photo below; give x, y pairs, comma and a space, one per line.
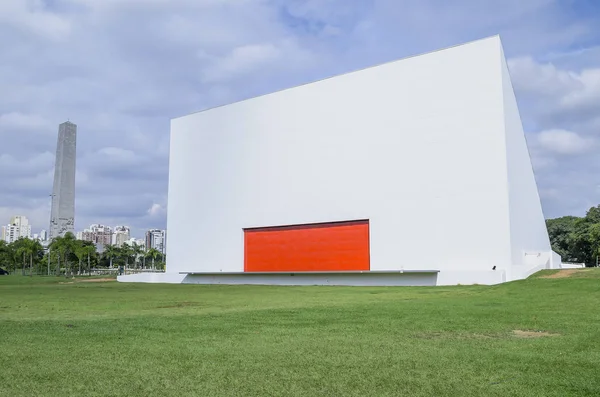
80, 252
576, 239
154, 254
33, 248
560, 231
111, 251
136, 252
20, 251
6, 256
64, 247
89, 250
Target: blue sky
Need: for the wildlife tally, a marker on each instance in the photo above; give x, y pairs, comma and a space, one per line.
121, 69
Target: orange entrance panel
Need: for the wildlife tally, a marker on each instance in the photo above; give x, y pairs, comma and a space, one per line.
334, 246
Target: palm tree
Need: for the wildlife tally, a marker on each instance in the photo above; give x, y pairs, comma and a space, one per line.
89, 250
80, 252
153, 253
136, 251
111, 251
64, 247
33, 248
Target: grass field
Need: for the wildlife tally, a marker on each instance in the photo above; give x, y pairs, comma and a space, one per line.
535, 337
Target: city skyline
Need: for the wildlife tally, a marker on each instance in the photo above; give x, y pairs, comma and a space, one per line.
120, 95
20, 226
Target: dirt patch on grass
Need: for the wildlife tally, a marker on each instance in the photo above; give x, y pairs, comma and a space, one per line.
563, 273
67, 282
531, 334
97, 280
454, 335
179, 304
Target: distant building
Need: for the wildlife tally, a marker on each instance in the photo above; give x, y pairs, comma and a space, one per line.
62, 213
155, 238
137, 241
121, 235
43, 235
18, 227
98, 234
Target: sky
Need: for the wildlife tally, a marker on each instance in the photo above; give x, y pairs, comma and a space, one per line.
121, 69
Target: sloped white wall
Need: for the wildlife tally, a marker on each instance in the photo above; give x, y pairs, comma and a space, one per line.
528, 232
417, 146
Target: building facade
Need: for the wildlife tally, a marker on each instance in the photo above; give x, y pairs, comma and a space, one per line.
414, 172
156, 238
18, 227
62, 213
121, 235
98, 234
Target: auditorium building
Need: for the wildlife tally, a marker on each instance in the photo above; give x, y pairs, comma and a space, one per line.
413, 172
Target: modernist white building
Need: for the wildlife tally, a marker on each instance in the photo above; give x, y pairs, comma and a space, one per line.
18, 227
414, 172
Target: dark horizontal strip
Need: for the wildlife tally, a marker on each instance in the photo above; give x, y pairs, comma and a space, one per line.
306, 226
311, 272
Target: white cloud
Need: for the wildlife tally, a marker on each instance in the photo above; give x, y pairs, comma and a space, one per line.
529, 76
240, 60
33, 16
156, 210
116, 154
557, 95
564, 142
21, 121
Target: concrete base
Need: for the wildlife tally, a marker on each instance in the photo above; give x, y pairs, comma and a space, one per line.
395, 278
349, 279
368, 278
392, 278
168, 278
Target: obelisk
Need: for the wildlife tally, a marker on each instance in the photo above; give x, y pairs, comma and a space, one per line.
62, 213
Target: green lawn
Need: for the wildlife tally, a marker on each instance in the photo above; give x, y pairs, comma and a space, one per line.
107, 338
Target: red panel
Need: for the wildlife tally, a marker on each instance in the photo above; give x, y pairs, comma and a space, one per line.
338, 246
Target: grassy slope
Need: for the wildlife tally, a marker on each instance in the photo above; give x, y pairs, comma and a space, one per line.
185, 340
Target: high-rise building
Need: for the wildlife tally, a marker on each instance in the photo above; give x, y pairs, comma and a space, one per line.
137, 241
97, 234
43, 235
155, 238
121, 235
62, 215
18, 227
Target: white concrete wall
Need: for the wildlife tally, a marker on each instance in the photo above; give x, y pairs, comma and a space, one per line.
168, 278
572, 266
528, 233
416, 146
556, 260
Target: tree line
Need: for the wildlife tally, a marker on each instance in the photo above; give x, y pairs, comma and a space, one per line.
69, 256
576, 239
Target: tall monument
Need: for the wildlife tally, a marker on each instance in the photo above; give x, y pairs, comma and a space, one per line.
62, 213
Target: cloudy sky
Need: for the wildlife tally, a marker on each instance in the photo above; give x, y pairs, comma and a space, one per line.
121, 69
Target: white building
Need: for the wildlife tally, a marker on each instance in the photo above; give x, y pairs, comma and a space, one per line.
415, 172
156, 238
137, 241
43, 235
121, 235
18, 227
